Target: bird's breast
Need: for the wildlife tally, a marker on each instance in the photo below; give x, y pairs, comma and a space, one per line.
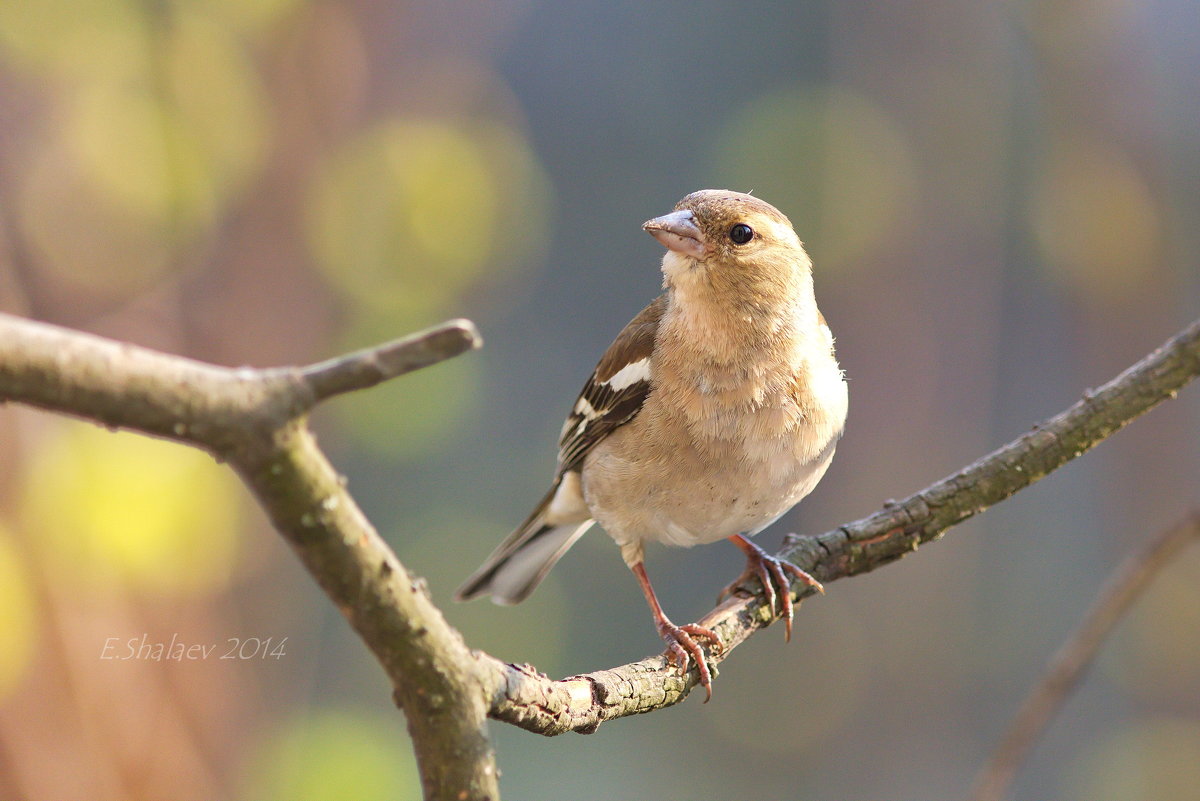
666, 481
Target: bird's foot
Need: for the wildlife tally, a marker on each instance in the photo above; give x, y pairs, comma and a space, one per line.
772, 573
682, 647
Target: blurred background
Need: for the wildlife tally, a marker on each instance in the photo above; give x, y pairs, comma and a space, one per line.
1001, 202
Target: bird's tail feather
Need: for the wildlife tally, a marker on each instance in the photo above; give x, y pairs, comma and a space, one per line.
520, 563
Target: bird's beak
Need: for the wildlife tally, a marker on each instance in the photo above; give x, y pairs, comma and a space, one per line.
678, 232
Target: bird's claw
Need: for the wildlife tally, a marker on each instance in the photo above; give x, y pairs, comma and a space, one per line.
772, 573
683, 648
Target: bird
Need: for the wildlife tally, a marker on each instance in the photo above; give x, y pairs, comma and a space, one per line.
713, 412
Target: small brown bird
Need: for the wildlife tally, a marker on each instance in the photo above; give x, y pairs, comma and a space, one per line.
713, 413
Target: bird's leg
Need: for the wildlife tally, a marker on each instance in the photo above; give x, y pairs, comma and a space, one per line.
772, 572
680, 640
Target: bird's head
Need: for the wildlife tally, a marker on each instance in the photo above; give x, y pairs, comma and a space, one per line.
729, 241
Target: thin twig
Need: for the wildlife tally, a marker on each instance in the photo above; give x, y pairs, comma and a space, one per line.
372, 366
1068, 664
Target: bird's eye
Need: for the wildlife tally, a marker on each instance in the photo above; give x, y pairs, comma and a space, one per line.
741, 234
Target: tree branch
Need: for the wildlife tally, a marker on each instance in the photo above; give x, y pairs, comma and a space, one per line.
581, 703
900, 528
1067, 665
254, 419
372, 366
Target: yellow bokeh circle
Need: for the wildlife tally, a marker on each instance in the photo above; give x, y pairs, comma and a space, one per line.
126, 508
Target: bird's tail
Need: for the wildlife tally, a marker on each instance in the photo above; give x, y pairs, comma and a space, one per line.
520, 563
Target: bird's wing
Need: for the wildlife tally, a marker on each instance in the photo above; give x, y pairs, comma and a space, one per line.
616, 390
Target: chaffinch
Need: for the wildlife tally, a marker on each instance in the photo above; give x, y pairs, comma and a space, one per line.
712, 413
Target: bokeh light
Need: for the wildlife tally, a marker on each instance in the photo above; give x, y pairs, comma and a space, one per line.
837, 161
1095, 219
405, 217
18, 624
163, 124
85, 40
334, 754
411, 213
131, 510
78, 239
